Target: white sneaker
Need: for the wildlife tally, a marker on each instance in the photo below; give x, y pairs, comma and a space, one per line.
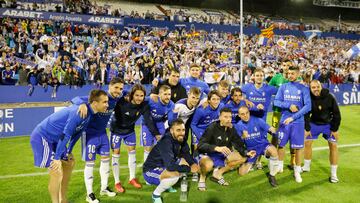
91, 198
305, 168
280, 170
195, 177
259, 166
333, 179
297, 176
107, 192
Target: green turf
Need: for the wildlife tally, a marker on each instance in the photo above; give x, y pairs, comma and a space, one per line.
16, 158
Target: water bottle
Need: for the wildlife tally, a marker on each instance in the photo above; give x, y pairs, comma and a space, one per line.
184, 188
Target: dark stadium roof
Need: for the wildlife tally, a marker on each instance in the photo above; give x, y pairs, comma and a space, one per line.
296, 8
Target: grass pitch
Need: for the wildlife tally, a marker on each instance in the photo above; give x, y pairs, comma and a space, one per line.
20, 181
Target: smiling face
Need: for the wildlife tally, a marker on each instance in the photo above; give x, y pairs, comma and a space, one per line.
259, 77
165, 96
116, 89
138, 97
293, 75
193, 100
214, 101
244, 113
195, 71
315, 88
178, 132
102, 104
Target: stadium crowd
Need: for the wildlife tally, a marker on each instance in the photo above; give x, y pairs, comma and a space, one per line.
48, 53
181, 14
54, 53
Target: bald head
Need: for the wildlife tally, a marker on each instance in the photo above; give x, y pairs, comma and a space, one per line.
315, 87
244, 113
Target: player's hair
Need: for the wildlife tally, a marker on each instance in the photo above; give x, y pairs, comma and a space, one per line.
258, 70
164, 88
135, 88
212, 93
295, 68
243, 107
235, 89
195, 91
225, 110
96, 94
175, 70
224, 84
176, 122
116, 80
315, 81
307, 76
194, 65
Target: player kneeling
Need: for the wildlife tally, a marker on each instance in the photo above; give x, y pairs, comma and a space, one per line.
215, 147
253, 131
164, 165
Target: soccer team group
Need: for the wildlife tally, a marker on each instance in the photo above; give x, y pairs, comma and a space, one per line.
227, 128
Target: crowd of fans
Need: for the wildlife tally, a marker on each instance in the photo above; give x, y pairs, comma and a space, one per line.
51, 53
182, 15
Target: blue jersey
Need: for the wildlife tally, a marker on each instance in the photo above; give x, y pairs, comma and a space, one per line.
99, 121
296, 94
159, 111
190, 82
259, 96
234, 109
203, 117
63, 127
256, 129
225, 100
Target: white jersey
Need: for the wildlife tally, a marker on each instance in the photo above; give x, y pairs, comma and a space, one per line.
184, 112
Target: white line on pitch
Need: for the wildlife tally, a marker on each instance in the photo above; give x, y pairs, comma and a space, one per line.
140, 165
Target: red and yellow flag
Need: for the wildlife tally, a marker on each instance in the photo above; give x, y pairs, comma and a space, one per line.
268, 32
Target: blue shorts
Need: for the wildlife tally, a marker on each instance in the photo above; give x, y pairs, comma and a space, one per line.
316, 130
129, 140
293, 132
94, 144
153, 176
260, 150
147, 138
217, 158
43, 150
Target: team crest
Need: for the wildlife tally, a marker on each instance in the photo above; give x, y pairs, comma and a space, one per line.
299, 92
320, 107
255, 128
137, 113
174, 95
90, 156
263, 94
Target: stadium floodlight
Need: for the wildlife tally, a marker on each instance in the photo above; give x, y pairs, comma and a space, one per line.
338, 3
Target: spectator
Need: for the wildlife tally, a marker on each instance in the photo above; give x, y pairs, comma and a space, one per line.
8, 76
23, 72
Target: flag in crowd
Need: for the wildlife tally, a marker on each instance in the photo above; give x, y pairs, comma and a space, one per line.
213, 77
268, 32
312, 33
281, 43
263, 41
354, 51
